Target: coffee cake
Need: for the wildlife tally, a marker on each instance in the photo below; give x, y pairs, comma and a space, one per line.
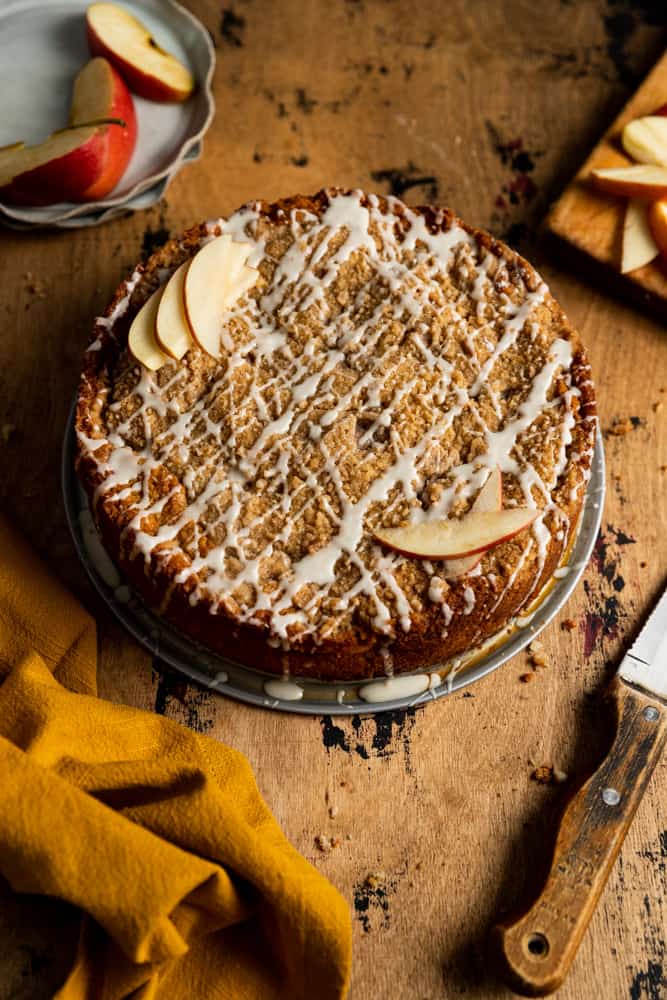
386, 360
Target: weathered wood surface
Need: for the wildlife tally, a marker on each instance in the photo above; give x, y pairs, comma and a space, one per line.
489, 107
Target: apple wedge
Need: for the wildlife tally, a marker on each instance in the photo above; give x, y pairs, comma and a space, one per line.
639, 246
99, 92
453, 539
62, 168
171, 325
149, 70
657, 219
489, 498
641, 180
141, 339
645, 139
217, 277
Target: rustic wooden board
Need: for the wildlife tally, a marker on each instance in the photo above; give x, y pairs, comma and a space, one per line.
438, 804
593, 222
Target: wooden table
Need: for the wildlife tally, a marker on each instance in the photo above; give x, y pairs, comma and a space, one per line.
488, 107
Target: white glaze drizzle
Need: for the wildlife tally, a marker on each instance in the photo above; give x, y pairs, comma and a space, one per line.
293, 282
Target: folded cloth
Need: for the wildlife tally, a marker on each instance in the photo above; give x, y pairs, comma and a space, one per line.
186, 885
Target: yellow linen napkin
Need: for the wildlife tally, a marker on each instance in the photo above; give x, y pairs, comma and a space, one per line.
187, 886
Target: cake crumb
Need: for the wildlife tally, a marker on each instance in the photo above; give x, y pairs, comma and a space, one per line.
537, 655
568, 625
333, 812
8, 432
643, 564
326, 844
374, 879
658, 406
526, 678
549, 774
619, 427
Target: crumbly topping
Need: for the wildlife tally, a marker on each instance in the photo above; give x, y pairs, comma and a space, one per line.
384, 362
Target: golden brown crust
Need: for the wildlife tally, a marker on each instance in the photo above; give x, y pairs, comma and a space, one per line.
357, 652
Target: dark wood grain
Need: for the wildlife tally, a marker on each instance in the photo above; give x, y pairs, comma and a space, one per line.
489, 107
539, 948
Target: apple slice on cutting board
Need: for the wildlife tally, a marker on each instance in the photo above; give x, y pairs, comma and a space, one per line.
489, 498
645, 139
477, 532
657, 220
150, 71
638, 181
171, 325
639, 244
218, 275
141, 339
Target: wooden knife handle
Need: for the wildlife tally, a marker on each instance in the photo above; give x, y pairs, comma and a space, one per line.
537, 950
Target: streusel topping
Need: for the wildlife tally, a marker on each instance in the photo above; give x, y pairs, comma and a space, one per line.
383, 364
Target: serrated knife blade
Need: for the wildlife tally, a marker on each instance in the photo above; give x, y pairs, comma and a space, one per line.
645, 663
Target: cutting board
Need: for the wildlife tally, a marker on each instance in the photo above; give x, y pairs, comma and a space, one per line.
592, 222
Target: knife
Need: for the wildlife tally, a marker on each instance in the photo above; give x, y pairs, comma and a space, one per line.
537, 949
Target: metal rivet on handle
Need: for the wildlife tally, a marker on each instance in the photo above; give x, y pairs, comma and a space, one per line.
610, 797
651, 714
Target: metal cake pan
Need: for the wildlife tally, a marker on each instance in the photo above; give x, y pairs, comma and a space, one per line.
318, 697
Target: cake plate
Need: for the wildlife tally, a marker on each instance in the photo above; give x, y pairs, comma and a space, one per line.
304, 695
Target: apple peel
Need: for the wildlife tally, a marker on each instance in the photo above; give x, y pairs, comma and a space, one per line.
477, 532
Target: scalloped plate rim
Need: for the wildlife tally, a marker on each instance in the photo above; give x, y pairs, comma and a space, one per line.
27, 216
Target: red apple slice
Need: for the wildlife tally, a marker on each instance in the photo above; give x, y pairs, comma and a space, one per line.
645, 139
453, 539
171, 326
61, 168
657, 219
127, 43
141, 340
489, 498
99, 92
639, 246
218, 275
639, 181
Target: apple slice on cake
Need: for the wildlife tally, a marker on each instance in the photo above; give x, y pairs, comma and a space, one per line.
217, 277
462, 542
171, 325
141, 340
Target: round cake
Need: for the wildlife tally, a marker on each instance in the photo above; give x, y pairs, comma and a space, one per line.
381, 366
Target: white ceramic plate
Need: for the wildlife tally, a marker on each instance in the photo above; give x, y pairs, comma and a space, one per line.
42, 48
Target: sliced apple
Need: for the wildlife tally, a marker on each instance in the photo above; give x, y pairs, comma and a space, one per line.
100, 92
218, 275
453, 539
171, 326
489, 498
84, 161
141, 340
639, 181
127, 43
645, 139
59, 169
639, 246
657, 219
